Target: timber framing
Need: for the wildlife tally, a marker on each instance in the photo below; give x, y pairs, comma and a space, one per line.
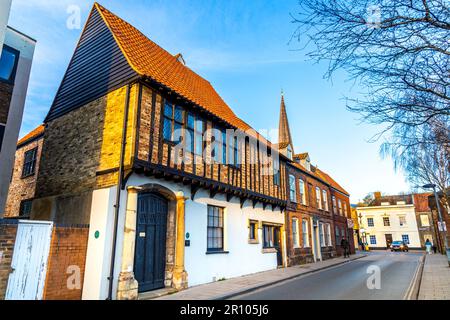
198, 182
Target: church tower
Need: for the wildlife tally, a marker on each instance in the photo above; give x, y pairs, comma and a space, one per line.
285, 145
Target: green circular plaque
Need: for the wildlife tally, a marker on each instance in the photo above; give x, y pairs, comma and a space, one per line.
97, 234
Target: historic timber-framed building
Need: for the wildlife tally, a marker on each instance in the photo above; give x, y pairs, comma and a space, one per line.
224, 204
109, 160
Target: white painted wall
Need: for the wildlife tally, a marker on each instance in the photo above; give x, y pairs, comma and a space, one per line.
243, 258
393, 212
98, 256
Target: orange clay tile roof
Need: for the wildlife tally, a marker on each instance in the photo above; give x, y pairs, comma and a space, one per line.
331, 181
149, 59
316, 172
34, 133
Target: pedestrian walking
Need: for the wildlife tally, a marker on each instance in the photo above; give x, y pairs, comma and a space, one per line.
428, 246
434, 248
344, 246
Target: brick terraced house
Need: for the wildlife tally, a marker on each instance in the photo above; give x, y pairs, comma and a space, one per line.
109, 159
318, 208
23, 183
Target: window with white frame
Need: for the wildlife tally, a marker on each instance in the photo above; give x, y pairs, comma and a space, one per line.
340, 206
386, 222
305, 233
302, 192
321, 235
345, 209
295, 235
318, 198
424, 220
370, 222
405, 238
373, 239
328, 234
402, 220
292, 189
325, 200
334, 204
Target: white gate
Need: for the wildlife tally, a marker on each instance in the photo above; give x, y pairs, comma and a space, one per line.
29, 261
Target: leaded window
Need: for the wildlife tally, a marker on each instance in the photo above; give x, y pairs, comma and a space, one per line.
29, 163
173, 122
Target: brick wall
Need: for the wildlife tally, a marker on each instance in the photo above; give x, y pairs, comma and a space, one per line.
79, 147
68, 248
22, 188
7, 240
6, 90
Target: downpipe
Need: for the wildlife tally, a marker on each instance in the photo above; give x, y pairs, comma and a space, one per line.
118, 191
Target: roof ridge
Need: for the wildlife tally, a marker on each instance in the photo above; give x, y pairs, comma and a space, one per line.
165, 73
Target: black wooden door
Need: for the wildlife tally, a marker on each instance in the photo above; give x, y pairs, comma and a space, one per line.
278, 245
150, 255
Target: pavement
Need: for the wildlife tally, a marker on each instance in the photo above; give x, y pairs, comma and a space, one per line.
230, 288
381, 275
435, 283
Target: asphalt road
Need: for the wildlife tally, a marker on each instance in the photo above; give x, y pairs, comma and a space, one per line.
349, 281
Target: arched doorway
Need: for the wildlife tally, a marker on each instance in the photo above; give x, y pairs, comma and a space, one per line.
151, 229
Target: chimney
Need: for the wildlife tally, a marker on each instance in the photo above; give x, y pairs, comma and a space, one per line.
377, 194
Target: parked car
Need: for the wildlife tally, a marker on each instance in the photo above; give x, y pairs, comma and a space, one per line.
399, 246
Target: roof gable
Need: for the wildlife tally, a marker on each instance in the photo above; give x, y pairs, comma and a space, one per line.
97, 67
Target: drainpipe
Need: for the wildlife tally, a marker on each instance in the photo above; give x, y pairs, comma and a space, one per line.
119, 187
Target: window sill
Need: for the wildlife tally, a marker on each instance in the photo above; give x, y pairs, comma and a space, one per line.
217, 252
269, 250
253, 241
27, 176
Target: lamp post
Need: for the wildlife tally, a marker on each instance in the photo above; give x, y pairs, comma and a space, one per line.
441, 221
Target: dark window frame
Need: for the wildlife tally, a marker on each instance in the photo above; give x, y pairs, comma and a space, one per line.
175, 123
16, 52
22, 207
29, 165
253, 230
215, 223
269, 240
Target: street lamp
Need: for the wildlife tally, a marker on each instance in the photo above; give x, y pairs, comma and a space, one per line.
441, 221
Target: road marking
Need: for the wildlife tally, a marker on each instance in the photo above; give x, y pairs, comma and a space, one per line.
414, 281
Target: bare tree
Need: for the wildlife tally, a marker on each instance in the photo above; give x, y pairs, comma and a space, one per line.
427, 162
399, 50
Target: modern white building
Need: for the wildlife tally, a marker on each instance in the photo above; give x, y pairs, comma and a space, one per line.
17, 50
387, 219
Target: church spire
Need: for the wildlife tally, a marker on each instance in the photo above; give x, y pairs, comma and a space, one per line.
284, 133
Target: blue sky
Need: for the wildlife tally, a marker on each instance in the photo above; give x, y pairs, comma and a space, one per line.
243, 49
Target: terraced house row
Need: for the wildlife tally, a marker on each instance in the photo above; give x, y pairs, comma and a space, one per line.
108, 156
